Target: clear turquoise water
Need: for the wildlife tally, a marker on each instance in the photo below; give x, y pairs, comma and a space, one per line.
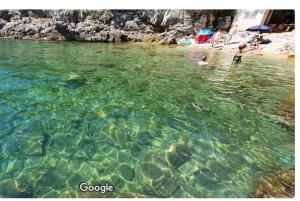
144, 118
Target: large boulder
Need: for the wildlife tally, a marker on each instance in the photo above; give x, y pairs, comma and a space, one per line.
172, 17
156, 17
70, 16
131, 26
168, 38
2, 23
5, 15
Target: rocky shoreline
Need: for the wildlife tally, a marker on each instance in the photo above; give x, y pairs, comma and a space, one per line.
162, 26
113, 26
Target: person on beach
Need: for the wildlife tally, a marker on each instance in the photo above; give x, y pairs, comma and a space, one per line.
255, 44
238, 55
232, 33
203, 61
218, 38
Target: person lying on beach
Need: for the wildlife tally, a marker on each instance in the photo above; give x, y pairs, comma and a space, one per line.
255, 44
203, 61
218, 38
238, 55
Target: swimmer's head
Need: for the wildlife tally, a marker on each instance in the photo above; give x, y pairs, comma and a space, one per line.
203, 58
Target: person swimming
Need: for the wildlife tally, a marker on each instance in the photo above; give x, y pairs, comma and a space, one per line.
238, 55
203, 61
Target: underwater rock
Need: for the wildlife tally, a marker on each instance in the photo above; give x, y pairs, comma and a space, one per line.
69, 194
180, 156
121, 137
167, 186
151, 171
281, 185
6, 129
135, 149
183, 152
21, 145
107, 65
75, 83
117, 181
15, 188
207, 178
143, 138
127, 172
74, 180
288, 106
124, 156
55, 179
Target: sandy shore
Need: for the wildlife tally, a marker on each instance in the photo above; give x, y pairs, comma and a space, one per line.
283, 45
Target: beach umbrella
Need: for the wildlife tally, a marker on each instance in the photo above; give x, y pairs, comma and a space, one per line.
203, 35
261, 28
205, 32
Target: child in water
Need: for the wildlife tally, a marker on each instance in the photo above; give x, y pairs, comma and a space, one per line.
203, 61
238, 55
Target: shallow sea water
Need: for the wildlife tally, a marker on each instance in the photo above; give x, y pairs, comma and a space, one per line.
144, 118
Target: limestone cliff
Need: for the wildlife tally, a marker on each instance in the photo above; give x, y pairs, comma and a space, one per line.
164, 26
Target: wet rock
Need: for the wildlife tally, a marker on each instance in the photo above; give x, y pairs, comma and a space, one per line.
127, 172
151, 171
151, 38
179, 156
167, 38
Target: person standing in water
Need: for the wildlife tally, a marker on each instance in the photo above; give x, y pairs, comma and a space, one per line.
238, 55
